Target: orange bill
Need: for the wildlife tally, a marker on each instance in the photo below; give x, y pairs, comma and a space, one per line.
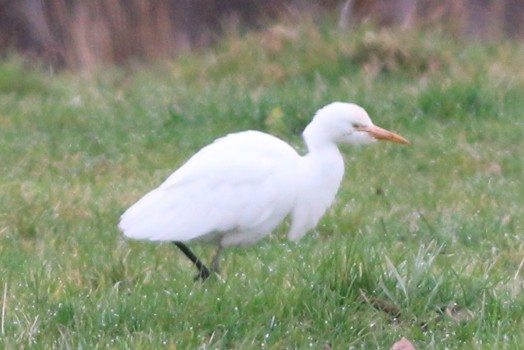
385, 135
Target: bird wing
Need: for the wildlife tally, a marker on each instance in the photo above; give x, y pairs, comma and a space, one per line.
243, 182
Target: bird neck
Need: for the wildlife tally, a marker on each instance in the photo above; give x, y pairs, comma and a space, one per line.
326, 162
316, 143
323, 160
321, 171
317, 138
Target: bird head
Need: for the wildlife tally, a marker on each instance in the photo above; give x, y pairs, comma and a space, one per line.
340, 122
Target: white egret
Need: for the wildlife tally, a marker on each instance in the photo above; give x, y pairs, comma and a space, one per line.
236, 190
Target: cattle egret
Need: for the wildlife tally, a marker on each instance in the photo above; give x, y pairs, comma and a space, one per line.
239, 188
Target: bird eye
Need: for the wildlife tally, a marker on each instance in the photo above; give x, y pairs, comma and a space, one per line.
355, 126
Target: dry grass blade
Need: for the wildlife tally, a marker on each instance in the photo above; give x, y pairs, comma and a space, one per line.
4, 308
382, 304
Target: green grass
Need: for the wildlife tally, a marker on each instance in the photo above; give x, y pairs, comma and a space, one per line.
425, 241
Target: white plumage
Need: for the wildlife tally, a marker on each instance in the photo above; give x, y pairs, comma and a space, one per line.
238, 189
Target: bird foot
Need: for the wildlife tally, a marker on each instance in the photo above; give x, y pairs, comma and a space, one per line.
202, 275
205, 273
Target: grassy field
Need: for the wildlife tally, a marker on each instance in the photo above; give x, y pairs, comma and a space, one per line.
424, 242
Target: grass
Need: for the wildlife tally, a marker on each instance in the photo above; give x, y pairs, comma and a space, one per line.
424, 242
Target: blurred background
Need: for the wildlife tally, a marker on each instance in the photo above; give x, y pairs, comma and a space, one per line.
83, 34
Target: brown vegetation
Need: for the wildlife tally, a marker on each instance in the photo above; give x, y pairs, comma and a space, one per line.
82, 34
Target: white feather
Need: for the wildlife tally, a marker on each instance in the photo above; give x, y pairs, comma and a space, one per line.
244, 182
238, 189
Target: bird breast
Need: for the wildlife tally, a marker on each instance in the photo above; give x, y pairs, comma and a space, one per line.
321, 174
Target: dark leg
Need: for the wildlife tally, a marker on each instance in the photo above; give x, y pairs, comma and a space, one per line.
216, 259
203, 272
